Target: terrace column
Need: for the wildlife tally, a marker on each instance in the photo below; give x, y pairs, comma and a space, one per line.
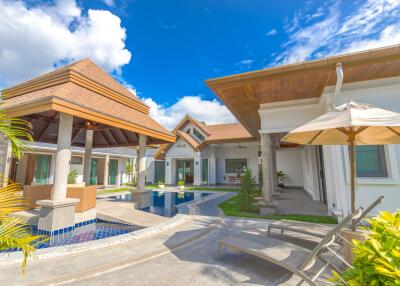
59, 212
197, 180
106, 168
5, 159
212, 172
266, 161
142, 162
88, 156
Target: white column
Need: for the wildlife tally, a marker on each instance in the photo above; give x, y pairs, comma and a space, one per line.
142, 162
88, 156
63, 157
106, 168
5, 159
274, 179
197, 169
168, 171
266, 160
212, 172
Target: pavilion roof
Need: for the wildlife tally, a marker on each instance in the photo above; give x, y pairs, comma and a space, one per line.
92, 96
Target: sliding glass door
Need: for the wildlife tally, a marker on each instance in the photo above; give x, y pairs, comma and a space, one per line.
112, 172
42, 169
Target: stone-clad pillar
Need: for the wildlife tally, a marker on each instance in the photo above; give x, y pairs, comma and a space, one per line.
106, 169
266, 161
142, 162
59, 212
88, 156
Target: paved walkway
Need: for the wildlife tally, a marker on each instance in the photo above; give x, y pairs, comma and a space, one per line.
183, 256
295, 201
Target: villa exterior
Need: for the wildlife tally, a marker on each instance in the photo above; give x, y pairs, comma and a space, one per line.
271, 102
206, 154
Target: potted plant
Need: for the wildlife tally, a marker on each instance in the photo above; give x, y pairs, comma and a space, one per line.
281, 178
181, 185
161, 185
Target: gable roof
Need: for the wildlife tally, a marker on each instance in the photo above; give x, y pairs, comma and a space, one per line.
83, 90
215, 134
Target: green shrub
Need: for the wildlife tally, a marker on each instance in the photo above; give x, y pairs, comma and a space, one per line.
377, 259
72, 176
181, 183
246, 191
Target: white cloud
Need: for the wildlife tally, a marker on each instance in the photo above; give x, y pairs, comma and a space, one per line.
109, 3
272, 32
209, 111
35, 39
325, 32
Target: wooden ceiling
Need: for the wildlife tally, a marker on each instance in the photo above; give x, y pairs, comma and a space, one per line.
244, 93
45, 129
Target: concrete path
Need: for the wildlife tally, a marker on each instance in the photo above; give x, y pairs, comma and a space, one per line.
181, 256
295, 201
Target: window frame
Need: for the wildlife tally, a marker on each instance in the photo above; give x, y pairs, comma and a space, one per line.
384, 172
81, 160
199, 135
231, 171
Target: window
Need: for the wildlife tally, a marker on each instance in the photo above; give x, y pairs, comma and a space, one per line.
75, 160
370, 161
198, 134
235, 165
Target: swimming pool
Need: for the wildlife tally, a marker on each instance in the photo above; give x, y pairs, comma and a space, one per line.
164, 203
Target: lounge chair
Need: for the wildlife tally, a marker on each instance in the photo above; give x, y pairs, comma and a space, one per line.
292, 257
314, 229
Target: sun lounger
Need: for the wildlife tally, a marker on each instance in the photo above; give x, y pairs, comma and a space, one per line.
314, 229
292, 257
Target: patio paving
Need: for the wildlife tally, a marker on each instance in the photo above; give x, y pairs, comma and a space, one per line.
183, 256
295, 201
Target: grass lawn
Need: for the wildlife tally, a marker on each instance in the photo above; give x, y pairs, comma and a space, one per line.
230, 207
117, 190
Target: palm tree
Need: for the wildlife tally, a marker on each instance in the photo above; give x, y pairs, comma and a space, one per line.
14, 234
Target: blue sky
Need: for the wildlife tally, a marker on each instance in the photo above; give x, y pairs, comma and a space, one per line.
164, 50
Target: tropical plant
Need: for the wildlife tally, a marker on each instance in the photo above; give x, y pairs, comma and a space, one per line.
14, 234
376, 259
72, 176
281, 178
246, 191
181, 183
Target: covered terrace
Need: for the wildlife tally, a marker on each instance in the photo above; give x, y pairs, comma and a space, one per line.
79, 105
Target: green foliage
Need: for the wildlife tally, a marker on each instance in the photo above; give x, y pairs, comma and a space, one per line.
377, 259
13, 232
247, 191
181, 183
72, 176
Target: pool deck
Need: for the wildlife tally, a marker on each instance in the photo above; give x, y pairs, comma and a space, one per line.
123, 212
183, 255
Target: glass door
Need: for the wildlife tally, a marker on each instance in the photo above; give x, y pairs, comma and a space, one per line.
42, 169
204, 171
180, 171
189, 172
159, 167
93, 171
112, 172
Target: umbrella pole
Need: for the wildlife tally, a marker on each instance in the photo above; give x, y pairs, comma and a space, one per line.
352, 174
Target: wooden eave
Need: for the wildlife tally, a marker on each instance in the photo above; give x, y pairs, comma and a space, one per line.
243, 93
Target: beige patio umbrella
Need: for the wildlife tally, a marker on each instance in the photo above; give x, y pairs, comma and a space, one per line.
350, 124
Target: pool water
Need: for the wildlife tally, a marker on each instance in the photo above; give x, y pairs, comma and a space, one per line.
164, 203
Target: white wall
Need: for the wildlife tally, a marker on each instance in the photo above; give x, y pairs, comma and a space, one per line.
250, 153
289, 160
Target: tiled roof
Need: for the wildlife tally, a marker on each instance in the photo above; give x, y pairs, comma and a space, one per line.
189, 139
84, 90
228, 131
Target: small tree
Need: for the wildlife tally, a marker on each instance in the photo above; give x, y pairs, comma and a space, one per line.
246, 192
72, 176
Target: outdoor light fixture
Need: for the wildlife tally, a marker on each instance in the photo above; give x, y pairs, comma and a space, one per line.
197, 162
167, 163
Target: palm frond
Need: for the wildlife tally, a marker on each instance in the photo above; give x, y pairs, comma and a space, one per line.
18, 131
11, 200
15, 235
